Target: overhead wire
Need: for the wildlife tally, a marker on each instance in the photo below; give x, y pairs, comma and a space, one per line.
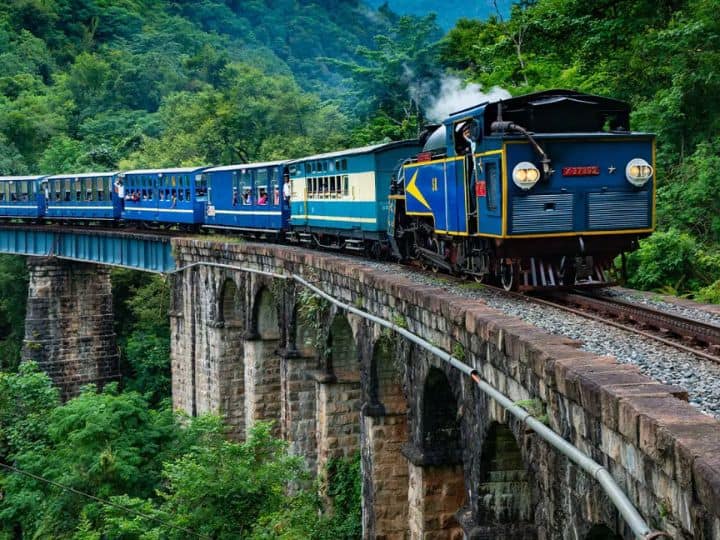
100, 500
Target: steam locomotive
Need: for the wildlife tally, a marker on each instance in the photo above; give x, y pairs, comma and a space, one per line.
535, 191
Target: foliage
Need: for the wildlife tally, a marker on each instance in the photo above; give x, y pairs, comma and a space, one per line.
105, 444
395, 78
672, 258
142, 303
13, 300
92, 84
312, 313
344, 488
26, 399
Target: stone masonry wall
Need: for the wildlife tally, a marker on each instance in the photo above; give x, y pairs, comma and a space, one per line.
69, 324
662, 452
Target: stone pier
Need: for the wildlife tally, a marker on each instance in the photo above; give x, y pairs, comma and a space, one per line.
69, 324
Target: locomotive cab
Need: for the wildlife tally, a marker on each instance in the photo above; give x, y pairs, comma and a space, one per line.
540, 189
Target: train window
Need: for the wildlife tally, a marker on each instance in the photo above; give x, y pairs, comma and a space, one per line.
24, 194
173, 181
346, 185
261, 178
337, 164
275, 186
332, 187
308, 168
201, 187
57, 188
77, 188
343, 165
88, 189
67, 187
493, 185
100, 186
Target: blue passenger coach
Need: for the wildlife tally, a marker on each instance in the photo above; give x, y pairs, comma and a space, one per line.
86, 196
165, 196
247, 197
21, 197
340, 199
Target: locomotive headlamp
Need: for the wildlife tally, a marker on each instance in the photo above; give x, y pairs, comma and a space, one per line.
525, 175
638, 172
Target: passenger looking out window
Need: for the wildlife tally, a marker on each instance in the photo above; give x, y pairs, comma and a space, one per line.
262, 197
235, 197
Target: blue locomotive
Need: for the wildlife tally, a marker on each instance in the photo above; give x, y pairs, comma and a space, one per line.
535, 191
538, 190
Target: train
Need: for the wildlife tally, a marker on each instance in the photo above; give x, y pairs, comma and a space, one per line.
536, 191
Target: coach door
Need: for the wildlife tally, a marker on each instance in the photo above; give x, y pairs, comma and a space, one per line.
489, 195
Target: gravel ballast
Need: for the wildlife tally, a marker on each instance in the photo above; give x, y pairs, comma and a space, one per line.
700, 377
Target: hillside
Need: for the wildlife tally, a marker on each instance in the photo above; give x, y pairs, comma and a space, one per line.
98, 83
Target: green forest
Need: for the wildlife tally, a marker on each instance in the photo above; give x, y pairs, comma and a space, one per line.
113, 84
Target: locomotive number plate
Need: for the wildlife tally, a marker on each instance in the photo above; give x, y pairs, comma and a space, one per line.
590, 170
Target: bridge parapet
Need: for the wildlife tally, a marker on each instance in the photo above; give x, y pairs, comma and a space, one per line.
147, 252
424, 431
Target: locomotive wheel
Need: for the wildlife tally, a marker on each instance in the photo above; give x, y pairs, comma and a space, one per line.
566, 272
434, 246
508, 276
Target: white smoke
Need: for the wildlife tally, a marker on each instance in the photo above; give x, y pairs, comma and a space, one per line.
454, 96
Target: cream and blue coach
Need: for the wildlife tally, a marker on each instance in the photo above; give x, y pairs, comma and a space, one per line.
340, 199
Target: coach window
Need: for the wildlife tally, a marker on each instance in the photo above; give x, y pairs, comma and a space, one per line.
88, 189
77, 188
3, 186
343, 164
66, 189
346, 185
274, 186
200, 184
337, 164
100, 187
246, 185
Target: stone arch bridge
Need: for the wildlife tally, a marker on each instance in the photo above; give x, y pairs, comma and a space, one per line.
439, 458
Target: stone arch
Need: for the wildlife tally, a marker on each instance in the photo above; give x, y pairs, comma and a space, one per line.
504, 493
303, 336
385, 390
265, 315
602, 532
229, 308
384, 433
440, 424
342, 350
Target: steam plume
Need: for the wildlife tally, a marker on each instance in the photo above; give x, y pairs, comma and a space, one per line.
454, 95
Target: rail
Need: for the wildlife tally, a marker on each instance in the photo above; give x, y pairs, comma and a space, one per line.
628, 511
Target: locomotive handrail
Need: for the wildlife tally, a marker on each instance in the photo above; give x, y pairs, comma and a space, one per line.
626, 508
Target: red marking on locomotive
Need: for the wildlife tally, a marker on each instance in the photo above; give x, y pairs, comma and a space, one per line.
590, 170
480, 189
424, 156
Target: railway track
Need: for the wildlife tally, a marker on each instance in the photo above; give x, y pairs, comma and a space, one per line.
696, 337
